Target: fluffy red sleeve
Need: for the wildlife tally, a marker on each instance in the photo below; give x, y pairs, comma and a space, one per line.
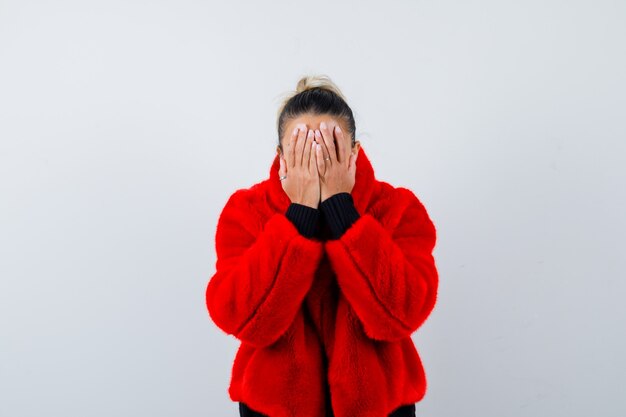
387, 272
264, 269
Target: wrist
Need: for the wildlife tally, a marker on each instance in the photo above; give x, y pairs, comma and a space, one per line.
310, 204
329, 195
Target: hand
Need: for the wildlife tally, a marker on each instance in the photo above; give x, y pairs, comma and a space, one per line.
302, 184
338, 173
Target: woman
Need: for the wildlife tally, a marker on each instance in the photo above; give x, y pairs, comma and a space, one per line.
323, 273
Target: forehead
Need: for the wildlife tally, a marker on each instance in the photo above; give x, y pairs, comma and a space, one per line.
312, 121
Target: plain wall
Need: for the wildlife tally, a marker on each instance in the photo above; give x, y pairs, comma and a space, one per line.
125, 126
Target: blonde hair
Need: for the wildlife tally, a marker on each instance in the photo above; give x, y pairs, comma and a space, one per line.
316, 94
318, 81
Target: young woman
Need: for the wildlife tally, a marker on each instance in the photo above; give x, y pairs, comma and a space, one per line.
323, 273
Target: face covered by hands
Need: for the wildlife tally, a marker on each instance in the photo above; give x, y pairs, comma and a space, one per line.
317, 163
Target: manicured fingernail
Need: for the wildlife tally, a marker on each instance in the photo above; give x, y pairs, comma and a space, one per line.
295, 130
338, 129
323, 125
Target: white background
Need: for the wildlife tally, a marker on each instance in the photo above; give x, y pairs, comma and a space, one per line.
125, 126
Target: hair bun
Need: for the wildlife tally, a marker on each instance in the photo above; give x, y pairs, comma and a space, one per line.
324, 82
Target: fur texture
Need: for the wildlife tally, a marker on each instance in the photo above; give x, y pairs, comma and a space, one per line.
307, 310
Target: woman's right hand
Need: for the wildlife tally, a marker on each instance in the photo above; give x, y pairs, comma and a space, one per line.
299, 164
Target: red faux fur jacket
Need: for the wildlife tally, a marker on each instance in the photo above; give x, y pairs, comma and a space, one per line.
364, 294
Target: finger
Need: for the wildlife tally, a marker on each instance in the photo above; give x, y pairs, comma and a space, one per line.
322, 144
306, 157
328, 140
319, 156
342, 156
307, 148
313, 158
291, 147
300, 145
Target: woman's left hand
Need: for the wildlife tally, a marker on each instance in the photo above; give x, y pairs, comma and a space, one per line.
336, 163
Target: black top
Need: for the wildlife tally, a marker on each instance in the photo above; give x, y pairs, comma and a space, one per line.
337, 211
330, 221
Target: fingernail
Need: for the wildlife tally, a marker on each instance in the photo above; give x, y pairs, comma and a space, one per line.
338, 128
295, 130
323, 125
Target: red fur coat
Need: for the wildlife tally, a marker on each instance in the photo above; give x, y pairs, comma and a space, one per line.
292, 299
